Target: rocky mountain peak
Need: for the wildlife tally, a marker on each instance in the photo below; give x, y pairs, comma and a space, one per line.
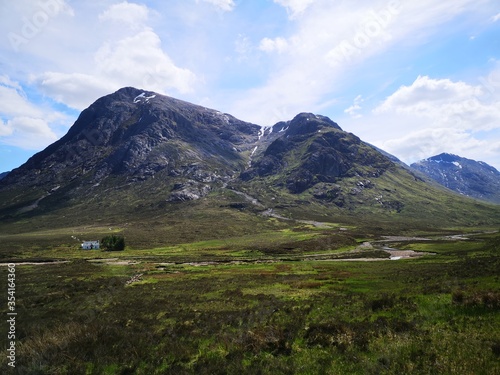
137, 134
444, 157
312, 149
305, 123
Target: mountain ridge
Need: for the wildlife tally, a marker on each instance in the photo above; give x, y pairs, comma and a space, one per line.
134, 155
468, 177
132, 122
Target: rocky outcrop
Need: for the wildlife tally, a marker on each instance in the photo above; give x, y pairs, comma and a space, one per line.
188, 191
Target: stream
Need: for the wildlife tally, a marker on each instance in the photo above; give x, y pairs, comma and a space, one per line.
395, 254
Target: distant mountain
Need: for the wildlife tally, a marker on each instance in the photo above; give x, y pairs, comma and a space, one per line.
472, 178
4, 174
137, 156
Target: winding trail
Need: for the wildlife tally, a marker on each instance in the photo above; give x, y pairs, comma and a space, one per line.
397, 254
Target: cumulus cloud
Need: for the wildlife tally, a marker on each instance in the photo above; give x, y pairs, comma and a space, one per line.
431, 116
22, 123
134, 58
426, 92
225, 5
141, 58
445, 102
132, 14
76, 90
30, 133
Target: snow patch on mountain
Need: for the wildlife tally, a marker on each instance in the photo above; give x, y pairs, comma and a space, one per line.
143, 96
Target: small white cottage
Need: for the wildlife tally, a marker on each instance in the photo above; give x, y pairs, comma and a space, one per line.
90, 245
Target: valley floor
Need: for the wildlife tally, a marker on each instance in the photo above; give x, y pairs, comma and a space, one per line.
294, 301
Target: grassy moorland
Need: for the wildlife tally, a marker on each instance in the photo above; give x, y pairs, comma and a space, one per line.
278, 302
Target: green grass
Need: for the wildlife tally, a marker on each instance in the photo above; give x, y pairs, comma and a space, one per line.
435, 314
292, 241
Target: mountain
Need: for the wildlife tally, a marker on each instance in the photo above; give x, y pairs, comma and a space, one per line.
310, 165
314, 150
155, 164
131, 136
472, 178
2, 175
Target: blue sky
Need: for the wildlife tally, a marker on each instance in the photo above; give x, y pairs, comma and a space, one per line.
415, 78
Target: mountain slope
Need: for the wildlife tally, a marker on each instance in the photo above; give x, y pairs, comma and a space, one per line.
465, 176
3, 174
138, 157
138, 133
312, 167
313, 149
132, 136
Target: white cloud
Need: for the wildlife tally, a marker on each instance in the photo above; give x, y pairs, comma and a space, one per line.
132, 14
135, 60
295, 7
23, 123
496, 17
74, 59
426, 92
428, 142
141, 59
316, 66
445, 103
76, 90
353, 109
28, 21
225, 5
278, 44
5, 129
432, 116
7, 82
27, 132
13, 102
33, 126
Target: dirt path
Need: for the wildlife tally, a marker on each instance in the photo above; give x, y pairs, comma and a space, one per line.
36, 263
113, 261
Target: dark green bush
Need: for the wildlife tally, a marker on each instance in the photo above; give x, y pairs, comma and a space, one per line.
113, 243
